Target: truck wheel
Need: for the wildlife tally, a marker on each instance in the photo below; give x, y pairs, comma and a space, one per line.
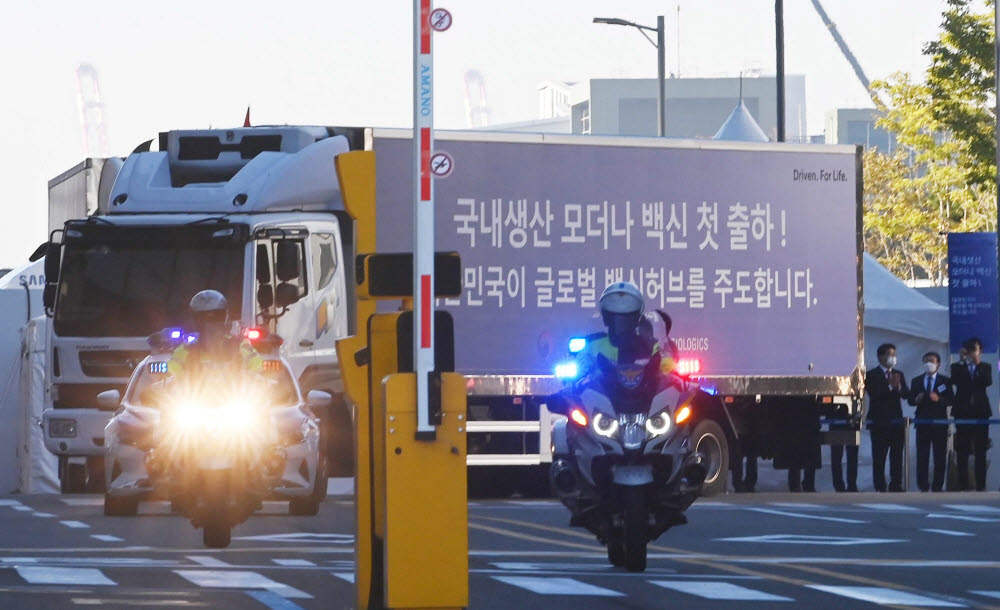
118, 506
490, 482
535, 482
709, 439
217, 535
95, 475
74, 479
636, 524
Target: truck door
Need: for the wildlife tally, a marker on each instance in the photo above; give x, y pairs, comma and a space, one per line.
330, 300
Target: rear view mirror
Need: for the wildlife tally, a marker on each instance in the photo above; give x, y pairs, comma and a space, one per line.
285, 294
109, 400
49, 296
53, 256
288, 260
265, 297
263, 265
318, 399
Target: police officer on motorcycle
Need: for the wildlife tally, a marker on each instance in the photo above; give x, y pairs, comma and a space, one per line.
631, 336
210, 317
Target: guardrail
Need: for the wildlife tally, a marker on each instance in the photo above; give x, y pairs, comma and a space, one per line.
542, 426
907, 423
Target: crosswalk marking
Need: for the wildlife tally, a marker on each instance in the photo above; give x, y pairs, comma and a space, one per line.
882, 595
292, 563
106, 538
347, 576
22, 508
75, 524
719, 590
797, 505
273, 601
239, 579
43, 515
888, 507
946, 532
63, 576
993, 594
973, 518
974, 508
209, 562
785, 513
557, 586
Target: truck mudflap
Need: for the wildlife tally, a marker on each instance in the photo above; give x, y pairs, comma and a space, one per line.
74, 432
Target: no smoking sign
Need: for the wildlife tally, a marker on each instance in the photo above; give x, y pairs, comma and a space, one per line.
441, 164
440, 19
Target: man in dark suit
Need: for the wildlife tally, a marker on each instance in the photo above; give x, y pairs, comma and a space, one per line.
971, 378
931, 394
886, 388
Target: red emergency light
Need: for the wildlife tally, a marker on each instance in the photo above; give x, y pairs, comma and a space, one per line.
253, 334
689, 366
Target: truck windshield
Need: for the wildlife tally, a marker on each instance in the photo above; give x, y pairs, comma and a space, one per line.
130, 288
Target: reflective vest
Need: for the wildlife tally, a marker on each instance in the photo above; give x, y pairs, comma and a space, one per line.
186, 357
600, 345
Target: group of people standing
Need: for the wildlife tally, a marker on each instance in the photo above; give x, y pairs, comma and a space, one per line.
931, 393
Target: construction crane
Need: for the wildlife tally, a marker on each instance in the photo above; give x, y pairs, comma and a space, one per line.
851, 59
90, 104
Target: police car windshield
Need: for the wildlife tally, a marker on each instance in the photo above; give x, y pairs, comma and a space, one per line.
111, 289
151, 387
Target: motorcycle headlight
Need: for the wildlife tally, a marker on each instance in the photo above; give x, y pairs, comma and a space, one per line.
187, 417
604, 425
658, 424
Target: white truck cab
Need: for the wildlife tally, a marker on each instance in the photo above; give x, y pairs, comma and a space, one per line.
254, 213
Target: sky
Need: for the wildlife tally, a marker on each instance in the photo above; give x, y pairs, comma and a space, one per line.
187, 64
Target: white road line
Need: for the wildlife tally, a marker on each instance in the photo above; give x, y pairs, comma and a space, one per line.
9, 503
882, 595
82, 501
888, 507
557, 586
107, 538
273, 601
993, 594
807, 539
974, 508
209, 562
946, 532
63, 576
239, 579
720, 590
518, 566
798, 505
785, 513
77, 525
291, 563
43, 515
963, 518
348, 576
22, 508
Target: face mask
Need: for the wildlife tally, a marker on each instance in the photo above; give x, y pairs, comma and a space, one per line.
930, 367
890, 362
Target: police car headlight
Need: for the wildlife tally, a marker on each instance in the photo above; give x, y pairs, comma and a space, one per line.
658, 424
604, 425
187, 417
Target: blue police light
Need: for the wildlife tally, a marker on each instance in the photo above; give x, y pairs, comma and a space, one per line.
191, 338
566, 370
175, 333
709, 390
576, 345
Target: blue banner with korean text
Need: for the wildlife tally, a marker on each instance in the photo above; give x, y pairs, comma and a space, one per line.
972, 289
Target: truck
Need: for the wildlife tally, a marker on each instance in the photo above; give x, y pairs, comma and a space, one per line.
754, 250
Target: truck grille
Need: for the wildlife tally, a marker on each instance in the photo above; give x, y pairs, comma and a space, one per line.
80, 395
111, 363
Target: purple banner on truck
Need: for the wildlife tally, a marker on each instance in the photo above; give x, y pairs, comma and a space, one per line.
752, 252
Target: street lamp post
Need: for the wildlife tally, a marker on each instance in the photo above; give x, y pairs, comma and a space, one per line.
661, 106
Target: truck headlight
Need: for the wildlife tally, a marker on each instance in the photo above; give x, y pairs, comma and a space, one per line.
604, 425
62, 428
658, 424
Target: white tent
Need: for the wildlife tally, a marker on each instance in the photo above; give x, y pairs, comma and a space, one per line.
898, 314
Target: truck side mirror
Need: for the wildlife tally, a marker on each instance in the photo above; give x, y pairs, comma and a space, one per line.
109, 400
49, 296
265, 296
288, 261
53, 256
285, 294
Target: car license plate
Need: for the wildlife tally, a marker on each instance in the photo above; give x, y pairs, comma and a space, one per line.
639, 474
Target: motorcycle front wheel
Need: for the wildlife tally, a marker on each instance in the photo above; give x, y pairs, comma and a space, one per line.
636, 522
217, 534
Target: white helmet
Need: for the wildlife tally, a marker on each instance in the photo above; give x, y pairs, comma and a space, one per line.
209, 300
209, 313
622, 297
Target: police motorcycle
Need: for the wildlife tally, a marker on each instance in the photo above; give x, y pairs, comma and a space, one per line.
215, 442
623, 462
